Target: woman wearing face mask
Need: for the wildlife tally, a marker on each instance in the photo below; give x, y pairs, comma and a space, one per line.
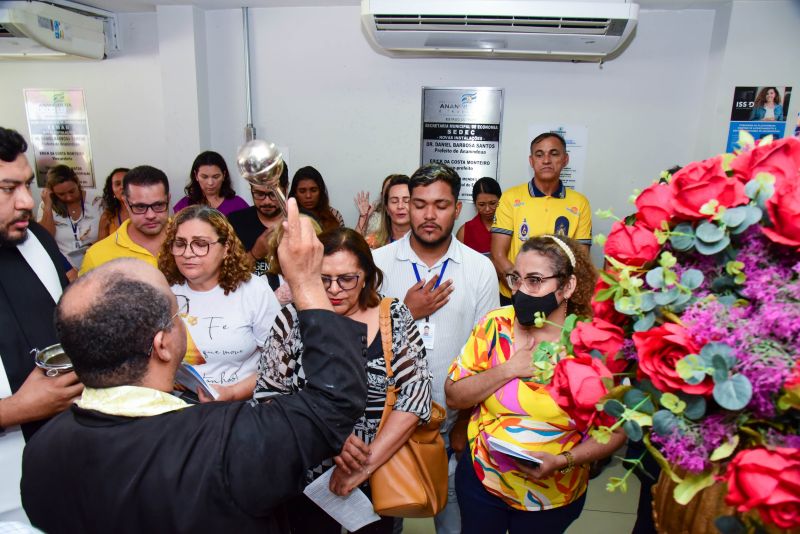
395, 221
210, 184
351, 280
554, 276
70, 214
115, 212
476, 233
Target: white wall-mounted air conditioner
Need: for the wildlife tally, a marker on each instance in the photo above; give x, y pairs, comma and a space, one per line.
555, 29
36, 30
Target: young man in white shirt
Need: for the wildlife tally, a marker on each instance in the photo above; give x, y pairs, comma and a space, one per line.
447, 286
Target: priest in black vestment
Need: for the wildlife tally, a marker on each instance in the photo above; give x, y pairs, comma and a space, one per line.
129, 457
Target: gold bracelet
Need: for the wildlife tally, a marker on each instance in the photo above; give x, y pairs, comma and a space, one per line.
570, 463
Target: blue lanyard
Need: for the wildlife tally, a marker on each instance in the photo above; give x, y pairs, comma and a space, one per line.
441, 272
74, 225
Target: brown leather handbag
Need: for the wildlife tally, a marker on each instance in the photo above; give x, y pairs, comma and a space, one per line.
413, 482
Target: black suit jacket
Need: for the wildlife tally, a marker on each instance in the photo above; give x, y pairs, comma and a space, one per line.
216, 467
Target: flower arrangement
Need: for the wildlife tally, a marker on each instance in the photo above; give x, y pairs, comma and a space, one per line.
698, 314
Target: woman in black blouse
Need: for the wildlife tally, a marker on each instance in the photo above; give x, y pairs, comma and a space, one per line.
351, 280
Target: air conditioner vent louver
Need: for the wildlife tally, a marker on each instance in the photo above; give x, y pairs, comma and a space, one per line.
477, 23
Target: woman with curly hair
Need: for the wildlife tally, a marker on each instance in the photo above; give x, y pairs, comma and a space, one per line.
210, 184
552, 277
115, 211
767, 106
231, 310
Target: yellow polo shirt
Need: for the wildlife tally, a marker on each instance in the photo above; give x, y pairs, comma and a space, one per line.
117, 245
524, 212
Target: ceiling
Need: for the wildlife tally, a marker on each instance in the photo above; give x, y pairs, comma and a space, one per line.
134, 6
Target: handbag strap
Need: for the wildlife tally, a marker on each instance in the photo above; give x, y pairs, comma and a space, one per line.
385, 321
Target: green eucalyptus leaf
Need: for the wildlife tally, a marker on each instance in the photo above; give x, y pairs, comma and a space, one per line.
648, 302
634, 397
692, 369
625, 305
645, 323
727, 300
709, 233
734, 393
682, 242
632, 430
721, 369
664, 298
695, 407
655, 278
711, 349
692, 278
614, 408
682, 299
733, 217
671, 402
711, 249
664, 422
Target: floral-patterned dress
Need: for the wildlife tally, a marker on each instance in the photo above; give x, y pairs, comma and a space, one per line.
520, 412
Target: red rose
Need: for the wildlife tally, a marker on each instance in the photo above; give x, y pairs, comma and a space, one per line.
655, 205
702, 181
783, 209
577, 386
599, 335
632, 245
780, 158
605, 309
659, 350
769, 481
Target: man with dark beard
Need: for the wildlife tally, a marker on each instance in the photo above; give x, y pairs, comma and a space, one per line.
254, 225
445, 285
31, 280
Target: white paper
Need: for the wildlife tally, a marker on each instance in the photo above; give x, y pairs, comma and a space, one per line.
352, 512
511, 449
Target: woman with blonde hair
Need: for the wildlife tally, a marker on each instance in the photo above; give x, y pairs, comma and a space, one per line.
231, 311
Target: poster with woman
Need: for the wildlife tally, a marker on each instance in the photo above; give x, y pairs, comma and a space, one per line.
761, 111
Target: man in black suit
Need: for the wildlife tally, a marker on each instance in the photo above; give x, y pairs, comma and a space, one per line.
129, 457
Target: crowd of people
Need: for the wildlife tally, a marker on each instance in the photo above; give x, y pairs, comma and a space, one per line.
280, 314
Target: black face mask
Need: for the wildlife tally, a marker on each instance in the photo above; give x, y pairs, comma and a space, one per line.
526, 306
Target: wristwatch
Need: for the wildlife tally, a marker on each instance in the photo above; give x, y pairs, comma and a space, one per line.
570, 463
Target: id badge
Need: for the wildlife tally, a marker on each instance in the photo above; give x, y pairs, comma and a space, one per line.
427, 330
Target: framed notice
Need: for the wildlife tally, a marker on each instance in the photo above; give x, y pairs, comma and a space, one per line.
59, 132
461, 129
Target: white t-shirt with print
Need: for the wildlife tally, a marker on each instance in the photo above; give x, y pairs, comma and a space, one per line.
229, 329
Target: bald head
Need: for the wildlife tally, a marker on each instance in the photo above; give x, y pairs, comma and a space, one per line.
107, 319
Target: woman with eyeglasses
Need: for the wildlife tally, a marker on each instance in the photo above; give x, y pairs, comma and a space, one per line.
552, 276
476, 233
210, 184
69, 213
351, 280
231, 309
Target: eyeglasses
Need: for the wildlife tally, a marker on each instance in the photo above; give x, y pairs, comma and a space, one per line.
532, 283
183, 309
346, 281
261, 195
198, 247
540, 154
141, 209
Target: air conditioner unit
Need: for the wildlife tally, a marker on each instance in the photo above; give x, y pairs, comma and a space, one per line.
36, 30
584, 31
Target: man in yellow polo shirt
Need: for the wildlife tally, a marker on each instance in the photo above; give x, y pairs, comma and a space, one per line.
146, 191
542, 206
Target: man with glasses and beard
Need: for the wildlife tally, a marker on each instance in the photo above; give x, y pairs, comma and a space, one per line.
146, 192
31, 281
445, 285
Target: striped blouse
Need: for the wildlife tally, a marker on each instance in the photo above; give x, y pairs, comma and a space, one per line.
280, 371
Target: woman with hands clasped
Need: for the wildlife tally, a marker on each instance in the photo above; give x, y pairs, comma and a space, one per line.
552, 278
351, 280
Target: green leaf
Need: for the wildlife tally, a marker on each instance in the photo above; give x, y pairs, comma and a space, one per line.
632, 430
734, 393
709, 233
721, 369
733, 217
725, 450
608, 279
634, 397
601, 434
691, 486
664, 298
715, 348
729, 524
695, 407
614, 408
691, 368
664, 422
648, 302
605, 294
671, 402
682, 242
655, 278
692, 278
645, 323
711, 249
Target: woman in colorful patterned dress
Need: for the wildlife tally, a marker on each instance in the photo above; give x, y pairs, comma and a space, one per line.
553, 276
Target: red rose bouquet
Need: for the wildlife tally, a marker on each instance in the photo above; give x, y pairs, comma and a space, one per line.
701, 301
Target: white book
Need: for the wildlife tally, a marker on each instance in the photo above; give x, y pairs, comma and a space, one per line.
511, 449
188, 377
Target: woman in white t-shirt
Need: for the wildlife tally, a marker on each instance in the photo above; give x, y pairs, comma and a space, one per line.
231, 311
69, 213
